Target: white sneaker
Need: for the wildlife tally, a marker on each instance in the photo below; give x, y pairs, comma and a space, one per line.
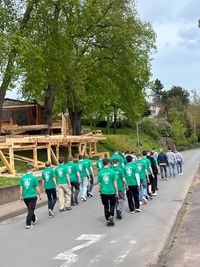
28, 226
83, 198
132, 212
141, 202
51, 213
155, 194
35, 222
137, 210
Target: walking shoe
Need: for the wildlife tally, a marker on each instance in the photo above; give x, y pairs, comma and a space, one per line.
144, 200
141, 202
51, 212
68, 208
137, 210
28, 226
111, 221
155, 194
119, 215
61, 210
132, 212
76, 203
83, 198
35, 222
90, 194
166, 179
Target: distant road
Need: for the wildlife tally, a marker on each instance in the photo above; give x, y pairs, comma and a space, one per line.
80, 237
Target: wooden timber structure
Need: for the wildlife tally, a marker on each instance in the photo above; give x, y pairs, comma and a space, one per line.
85, 144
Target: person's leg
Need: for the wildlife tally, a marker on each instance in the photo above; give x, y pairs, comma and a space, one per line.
141, 190
165, 169
77, 190
120, 202
173, 170
104, 199
112, 202
170, 169
54, 198
156, 180
67, 196
129, 194
181, 167
150, 185
30, 203
91, 184
161, 171
61, 197
136, 196
84, 190
152, 180
72, 193
49, 197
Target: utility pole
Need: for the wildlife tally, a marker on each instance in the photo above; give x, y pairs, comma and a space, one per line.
138, 137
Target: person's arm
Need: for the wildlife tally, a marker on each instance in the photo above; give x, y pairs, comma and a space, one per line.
79, 177
125, 183
55, 182
20, 190
137, 176
116, 189
150, 168
38, 192
87, 172
43, 189
92, 171
68, 180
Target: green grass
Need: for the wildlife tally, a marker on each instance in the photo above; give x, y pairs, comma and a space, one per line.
6, 181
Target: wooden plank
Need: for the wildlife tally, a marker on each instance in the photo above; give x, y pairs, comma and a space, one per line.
57, 152
83, 151
64, 125
49, 152
3, 169
54, 157
6, 163
35, 156
70, 149
11, 157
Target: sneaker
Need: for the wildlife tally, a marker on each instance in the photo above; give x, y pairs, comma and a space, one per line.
137, 210
155, 194
90, 194
35, 222
61, 210
141, 202
111, 221
28, 226
132, 212
68, 208
76, 203
119, 215
166, 179
144, 200
83, 199
51, 212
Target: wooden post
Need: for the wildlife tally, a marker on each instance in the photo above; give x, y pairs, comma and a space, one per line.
79, 148
49, 151
69, 149
35, 156
54, 157
57, 151
6, 163
90, 150
11, 157
64, 125
95, 148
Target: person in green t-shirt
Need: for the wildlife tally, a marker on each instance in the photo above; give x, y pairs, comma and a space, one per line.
109, 191
84, 174
116, 155
99, 163
142, 170
64, 186
150, 173
89, 167
133, 181
29, 190
121, 183
74, 179
49, 185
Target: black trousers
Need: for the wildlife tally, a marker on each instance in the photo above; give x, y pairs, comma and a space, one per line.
163, 169
152, 183
133, 197
52, 197
30, 203
156, 180
109, 202
75, 189
90, 184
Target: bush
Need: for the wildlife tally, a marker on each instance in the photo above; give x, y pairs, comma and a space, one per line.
150, 127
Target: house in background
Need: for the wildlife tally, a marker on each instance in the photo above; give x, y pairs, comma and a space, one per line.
154, 110
21, 113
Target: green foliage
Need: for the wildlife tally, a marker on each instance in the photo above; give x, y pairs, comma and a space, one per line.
150, 126
178, 130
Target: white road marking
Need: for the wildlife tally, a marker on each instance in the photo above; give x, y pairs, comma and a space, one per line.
69, 256
113, 241
124, 253
95, 259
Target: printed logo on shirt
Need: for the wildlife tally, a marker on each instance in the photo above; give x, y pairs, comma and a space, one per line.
100, 165
129, 171
60, 172
69, 168
106, 178
27, 183
80, 167
47, 176
139, 166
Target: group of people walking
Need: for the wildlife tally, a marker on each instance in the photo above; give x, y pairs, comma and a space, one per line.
134, 176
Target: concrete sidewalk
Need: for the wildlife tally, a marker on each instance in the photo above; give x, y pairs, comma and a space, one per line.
18, 207
184, 250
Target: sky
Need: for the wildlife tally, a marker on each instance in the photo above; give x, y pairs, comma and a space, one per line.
177, 61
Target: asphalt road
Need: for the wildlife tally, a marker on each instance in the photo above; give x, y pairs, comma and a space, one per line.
81, 238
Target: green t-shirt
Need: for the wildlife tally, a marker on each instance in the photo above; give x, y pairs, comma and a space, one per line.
61, 173
71, 170
88, 164
99, 164
120, 175
116, 156
147, 163
81, 168
106, 178
28, 182
47, 176
141, 167
130, 170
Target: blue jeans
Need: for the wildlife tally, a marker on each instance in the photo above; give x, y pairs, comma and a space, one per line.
179, 166
172, 169
83, 187
143, 189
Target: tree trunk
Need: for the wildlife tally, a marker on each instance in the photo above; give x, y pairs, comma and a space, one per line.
115, 121
108, 125
75, 117
48, 107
